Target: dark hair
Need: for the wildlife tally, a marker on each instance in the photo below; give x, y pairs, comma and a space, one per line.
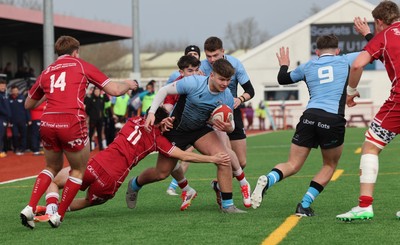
151, 83
2, 81
188, 60
14, 86
212, 44
160, 114
327, 42
223, 68
387, 11
66, 45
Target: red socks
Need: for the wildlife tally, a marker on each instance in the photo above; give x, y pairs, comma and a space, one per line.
71, 187
42, 183
365, 201
240, 177
183, 183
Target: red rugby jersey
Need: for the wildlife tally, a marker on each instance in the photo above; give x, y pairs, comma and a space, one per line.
386, 44
64, 83
172, 98
131, 145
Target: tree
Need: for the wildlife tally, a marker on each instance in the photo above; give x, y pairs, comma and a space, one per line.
101, 54
245, 34
163, 46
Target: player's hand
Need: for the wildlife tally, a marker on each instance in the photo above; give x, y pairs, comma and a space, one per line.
236, 102
223, 126
361, 26
149, 121
201, 73
167, 124
222, 159
350, 99
115, 118
283, 56
133, 84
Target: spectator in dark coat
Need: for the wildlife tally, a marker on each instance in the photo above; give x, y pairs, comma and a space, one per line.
5, 115
20, 119
95, 111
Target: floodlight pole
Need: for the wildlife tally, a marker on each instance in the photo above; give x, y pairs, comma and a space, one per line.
48, 33
135, 41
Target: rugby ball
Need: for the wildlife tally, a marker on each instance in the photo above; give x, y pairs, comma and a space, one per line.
222, 113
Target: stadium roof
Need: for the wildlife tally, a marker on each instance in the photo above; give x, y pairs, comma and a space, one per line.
24, 27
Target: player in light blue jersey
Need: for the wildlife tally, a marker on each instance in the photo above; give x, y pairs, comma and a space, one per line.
192, 50
213, 48
199, 96
322, 123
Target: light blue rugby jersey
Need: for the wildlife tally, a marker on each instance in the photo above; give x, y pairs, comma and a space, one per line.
240, 75
199, 102
326, 78
173, 77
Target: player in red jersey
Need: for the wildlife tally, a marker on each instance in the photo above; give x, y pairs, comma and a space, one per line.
107, 170
386, 123
63, 127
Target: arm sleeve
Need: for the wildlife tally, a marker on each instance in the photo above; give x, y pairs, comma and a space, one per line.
248, 88
369, 36
284, 76
161, 94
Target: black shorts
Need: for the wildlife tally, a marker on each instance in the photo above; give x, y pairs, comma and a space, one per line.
183, 139
239, 132
319, 128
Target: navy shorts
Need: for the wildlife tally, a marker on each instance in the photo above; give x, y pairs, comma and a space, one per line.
319, 128
239, 132
183, 139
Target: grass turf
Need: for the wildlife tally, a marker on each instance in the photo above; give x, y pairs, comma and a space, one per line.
158, 220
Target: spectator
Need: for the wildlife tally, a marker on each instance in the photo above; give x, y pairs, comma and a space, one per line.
134, 102
31, 72
8, 71
95, 111
261, 114
249, 115
119, 107
36, 114
22, 72
5, 116
20, 119
109, 123
147, 97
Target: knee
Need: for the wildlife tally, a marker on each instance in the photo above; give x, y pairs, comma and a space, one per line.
161, 175
294, 167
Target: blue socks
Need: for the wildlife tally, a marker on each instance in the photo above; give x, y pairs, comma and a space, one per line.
227, 200
173, 184
227, 203
313, 191
135, 186
274, 176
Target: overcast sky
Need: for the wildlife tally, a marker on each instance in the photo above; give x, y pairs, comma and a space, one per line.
194, 21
